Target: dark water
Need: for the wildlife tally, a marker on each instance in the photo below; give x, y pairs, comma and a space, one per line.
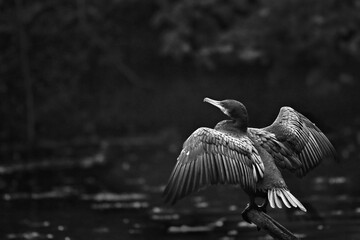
121, 199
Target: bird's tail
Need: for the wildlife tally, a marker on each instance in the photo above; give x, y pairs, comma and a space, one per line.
279, 196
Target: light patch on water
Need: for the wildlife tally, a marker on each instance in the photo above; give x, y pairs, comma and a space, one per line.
199, 202
35, 224
157, 210
202, 204
167, 217
337, 212
348, 150
233, 208
114, 197
135, 181
244, 224
357, 210
86, 162
125, 166
190, 229
343, 197
56, 193
119, 205
330, 180
337, 180
29, 236
266, 237
101, 230
97, 159
297, 235
322, 183
198, 199
227, 238
300, 235
320, 227
135, 231
61, 228
297, 212
233, 232
161, 214
154, 189
319, 180
219, 222
136, 228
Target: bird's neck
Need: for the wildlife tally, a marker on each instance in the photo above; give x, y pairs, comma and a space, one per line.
241, 124
232, 126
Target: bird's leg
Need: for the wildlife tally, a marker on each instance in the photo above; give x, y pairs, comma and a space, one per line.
264, 205
249, 206
252, 205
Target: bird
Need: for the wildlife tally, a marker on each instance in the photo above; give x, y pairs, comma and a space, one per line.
252, 158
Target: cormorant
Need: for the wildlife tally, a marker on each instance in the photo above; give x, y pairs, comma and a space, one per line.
232, 153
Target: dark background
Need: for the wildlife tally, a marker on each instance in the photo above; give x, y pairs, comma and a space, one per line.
96, 99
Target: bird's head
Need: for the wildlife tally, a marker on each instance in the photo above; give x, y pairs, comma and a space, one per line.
232, 108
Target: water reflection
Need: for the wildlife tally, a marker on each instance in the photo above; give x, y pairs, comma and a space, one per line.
83, 205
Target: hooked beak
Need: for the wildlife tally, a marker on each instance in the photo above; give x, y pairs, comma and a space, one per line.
216, 104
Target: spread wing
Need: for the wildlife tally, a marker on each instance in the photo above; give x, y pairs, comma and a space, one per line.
284, 156
212, 157
294, 141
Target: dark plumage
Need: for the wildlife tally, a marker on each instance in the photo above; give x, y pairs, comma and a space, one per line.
232, 153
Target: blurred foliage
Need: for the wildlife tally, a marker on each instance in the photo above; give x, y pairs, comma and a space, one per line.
81, 67
283, 34
75, 52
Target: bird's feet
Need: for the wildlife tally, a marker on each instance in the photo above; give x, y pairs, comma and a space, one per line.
263, 207
250, 206
244, 213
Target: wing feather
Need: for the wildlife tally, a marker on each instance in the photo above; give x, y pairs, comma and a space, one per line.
213, 173
212, 157
276, 197
294, 141
283, 198
190, 183
271, 198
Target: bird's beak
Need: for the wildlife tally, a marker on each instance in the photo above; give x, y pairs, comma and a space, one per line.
215, 103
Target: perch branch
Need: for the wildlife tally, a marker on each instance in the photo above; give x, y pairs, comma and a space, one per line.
275, 229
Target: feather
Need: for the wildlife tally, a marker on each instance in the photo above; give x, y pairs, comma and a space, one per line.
277, 201
255, 174
213, 172
283, 198
289, 198
207, 168
271, 198
294, 199
232, 170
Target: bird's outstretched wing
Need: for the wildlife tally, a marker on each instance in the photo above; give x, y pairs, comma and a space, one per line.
294, 141
213, 157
